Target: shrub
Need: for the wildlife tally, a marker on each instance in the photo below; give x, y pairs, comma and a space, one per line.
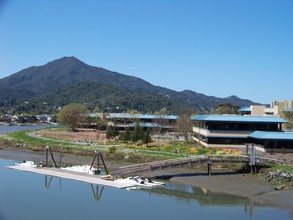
112, 150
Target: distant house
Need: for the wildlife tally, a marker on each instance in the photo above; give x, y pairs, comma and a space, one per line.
166, 123
46, 118
276, 108
5, 118
259, 110
26, 119
282, 105
236, 131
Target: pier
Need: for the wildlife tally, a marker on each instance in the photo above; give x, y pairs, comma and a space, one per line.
56, 172
253, 162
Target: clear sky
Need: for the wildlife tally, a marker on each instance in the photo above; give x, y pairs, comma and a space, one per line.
214, 47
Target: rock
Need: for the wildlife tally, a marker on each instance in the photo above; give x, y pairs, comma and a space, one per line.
277, 173
280, 187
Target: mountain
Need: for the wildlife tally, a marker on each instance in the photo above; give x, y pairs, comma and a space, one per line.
67, 80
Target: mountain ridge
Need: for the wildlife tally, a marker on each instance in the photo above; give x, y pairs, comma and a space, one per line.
57, 77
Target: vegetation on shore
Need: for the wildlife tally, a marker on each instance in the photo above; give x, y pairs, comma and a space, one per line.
115, 149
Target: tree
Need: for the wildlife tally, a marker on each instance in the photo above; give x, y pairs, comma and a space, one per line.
111, 132
184, 124
146, 138
287, 115
97, 109
226, 108
125, 136
158, 122
163, 111
137, 133
71, 115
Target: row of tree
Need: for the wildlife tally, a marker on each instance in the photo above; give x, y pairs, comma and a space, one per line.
138, 134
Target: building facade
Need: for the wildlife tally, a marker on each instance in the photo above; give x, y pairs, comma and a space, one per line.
259, 110
233, 131
281, 141
283, 105
164, 123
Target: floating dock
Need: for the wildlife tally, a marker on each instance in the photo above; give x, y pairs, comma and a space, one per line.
56, 172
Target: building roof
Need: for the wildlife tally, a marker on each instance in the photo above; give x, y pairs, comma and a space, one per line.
238, 118
265, 135
140, 116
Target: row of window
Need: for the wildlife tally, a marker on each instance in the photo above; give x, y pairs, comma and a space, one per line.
243, 141
238, 126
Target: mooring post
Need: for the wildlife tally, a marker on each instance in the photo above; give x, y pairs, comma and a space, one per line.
46, 149
247, 161
209, 168
253, 158
61, 155
98, 161
98, 155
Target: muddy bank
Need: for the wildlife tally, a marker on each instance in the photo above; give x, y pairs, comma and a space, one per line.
244, 185
231, 182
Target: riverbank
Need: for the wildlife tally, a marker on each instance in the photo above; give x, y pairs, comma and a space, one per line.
244, 185
238, 184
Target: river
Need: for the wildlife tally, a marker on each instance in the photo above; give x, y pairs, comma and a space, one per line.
31, 196
9, 129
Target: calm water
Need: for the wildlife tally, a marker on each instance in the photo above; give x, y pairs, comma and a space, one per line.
9, 129
31, 196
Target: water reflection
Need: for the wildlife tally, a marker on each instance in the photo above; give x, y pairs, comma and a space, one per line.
203, 197
181, 193
96, 190
97, 194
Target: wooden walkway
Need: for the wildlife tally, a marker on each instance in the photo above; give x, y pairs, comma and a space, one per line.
180, 162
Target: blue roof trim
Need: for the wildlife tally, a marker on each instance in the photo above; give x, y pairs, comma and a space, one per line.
225, 137
139, 116
238, 118
272, 135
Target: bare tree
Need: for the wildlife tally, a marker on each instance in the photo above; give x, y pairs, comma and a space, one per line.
184, 124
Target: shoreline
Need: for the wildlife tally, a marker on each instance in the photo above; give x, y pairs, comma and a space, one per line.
243, 185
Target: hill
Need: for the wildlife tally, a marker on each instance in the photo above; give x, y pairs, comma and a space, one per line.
66, 80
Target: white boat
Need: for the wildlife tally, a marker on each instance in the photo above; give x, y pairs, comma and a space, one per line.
27, 163
141, 182
81, 169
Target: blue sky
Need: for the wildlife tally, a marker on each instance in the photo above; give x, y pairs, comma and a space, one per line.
215, 47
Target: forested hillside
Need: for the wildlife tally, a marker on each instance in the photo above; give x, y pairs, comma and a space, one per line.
43, 89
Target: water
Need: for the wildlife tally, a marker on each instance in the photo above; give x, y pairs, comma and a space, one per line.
32, 196
9, 129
